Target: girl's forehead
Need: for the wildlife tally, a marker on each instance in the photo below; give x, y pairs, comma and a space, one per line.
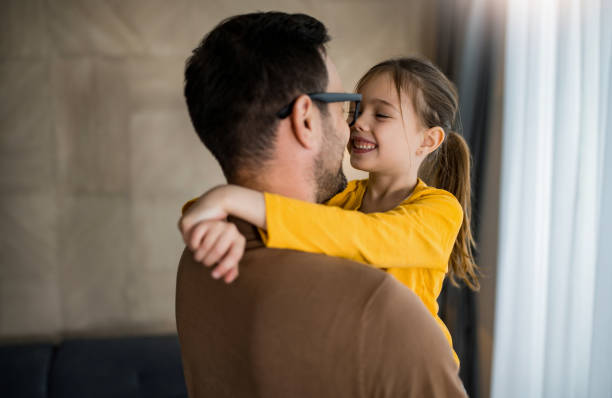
383, 87
381, 84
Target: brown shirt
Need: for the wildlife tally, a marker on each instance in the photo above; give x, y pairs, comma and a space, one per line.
296, 324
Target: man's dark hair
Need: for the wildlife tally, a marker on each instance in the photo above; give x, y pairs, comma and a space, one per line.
242, 73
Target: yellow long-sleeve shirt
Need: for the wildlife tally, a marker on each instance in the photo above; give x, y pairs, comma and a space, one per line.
413, 241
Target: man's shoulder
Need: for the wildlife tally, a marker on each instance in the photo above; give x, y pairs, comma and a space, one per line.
278, 265
352, 287
367, 292
296, 271
282, 265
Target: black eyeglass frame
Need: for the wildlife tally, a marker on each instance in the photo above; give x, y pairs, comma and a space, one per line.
327, 98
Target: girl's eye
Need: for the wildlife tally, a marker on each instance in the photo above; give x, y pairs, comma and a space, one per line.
381, 115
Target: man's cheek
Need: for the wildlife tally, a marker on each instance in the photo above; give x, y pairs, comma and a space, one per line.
345, 130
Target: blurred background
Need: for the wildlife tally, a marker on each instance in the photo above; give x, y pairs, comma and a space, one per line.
98, 154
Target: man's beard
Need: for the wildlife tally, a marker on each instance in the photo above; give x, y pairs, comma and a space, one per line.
329, 177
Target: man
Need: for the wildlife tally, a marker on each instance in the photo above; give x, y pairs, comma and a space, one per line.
294, 324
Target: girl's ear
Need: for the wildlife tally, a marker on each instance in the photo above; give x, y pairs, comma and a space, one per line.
302, 121
432, 139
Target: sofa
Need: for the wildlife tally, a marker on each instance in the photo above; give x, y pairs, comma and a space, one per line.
112, 367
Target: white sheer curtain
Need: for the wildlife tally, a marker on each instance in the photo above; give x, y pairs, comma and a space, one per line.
553, 328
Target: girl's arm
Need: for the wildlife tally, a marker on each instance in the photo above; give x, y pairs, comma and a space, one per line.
221, 201
418, 233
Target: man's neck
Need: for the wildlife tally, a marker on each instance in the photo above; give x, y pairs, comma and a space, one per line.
287, 173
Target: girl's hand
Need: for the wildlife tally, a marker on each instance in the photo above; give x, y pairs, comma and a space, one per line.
210, 206
221, 201
216, 241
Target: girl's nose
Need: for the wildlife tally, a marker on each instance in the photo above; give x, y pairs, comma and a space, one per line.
360, 124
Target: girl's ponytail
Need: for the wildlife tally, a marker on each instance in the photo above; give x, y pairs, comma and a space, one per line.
448, 168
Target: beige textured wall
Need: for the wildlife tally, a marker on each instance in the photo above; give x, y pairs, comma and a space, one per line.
98, 154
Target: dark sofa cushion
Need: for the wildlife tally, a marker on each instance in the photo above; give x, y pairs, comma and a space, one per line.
24, 370
126, 367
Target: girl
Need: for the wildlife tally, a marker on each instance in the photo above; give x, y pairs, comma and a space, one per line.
413, 217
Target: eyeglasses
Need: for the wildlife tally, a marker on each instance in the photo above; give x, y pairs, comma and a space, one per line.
350, 106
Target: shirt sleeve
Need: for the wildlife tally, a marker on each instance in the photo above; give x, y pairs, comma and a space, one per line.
417, 233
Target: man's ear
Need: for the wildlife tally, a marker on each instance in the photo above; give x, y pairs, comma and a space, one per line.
302, 121
432, 139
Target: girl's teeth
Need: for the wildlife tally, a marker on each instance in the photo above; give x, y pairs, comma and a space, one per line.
364, 146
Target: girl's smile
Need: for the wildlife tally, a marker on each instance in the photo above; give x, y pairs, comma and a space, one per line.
361, 145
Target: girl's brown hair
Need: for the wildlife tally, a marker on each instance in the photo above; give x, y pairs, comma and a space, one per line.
436, 103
